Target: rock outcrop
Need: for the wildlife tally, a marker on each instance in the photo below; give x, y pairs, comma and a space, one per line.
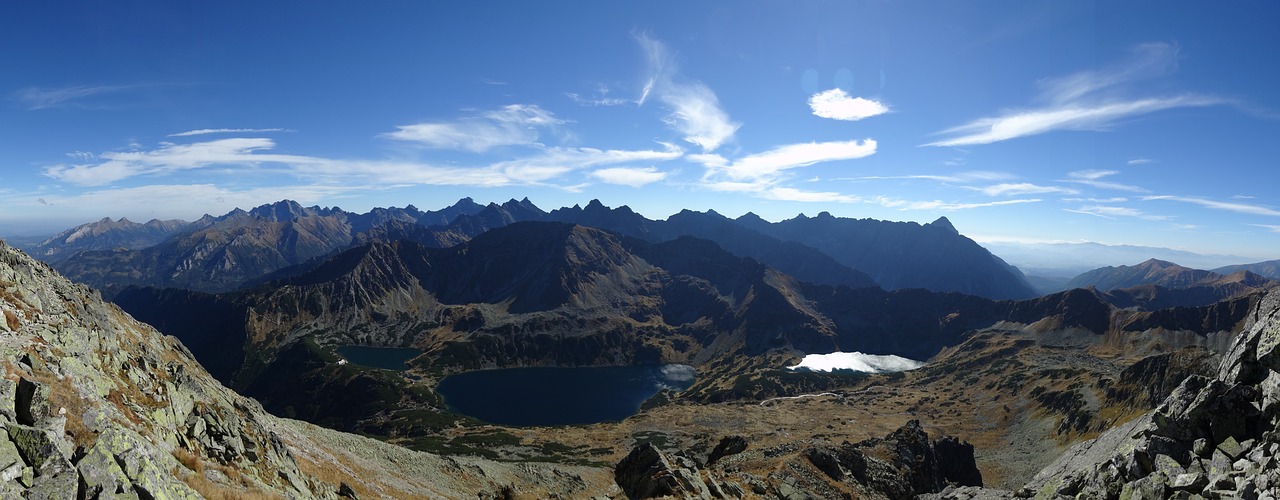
1215, 437
901, 465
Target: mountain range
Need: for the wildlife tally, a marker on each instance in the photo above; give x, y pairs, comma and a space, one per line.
223, 253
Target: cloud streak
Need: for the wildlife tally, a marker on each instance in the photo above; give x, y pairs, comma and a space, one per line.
1088, 100
1111, 212
36, 98
512, 125
1243, 208
206, 131
629, 176
769, 164
1022, 188
542, 166
945, 206
1093, 178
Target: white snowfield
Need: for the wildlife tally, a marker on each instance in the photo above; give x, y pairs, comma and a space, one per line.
858, 362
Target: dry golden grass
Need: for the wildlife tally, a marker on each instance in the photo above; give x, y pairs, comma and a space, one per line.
64, 396
214, 491
331, 474
11, 320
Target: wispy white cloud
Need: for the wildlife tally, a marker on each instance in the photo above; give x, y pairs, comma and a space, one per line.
1021, 188
839, 105
206, 131
597, 100
1140, 161
1095, 200
792, 194
1243, 208
1269, 227
943, 205
768, 164
629, 176
1111, 212
35, 98
957, 178
1090, 100
168, 158
602, 95
512, 125
1094, 178
694, 109
543, 165
551, 163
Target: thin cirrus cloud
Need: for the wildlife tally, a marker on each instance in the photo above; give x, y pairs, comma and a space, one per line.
511, 125
1111, 212
767, 165
1090, 100
839, 105
945, 206
1094, 178
207, 131
694, 110
241, 155
1243, 208
36, 98
1022, 188
629, 176
957, 178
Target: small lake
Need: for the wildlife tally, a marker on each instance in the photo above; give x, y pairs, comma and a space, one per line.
559, 396
386, 358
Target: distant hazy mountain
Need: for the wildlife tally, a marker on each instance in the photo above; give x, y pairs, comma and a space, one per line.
106, 234
1269, 269
1149, 272
1156, 284
1066, 260
221, 253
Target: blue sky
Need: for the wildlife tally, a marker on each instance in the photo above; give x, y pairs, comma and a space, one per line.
1113, 122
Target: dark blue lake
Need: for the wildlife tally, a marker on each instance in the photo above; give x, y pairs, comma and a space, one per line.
559, 396
387, 358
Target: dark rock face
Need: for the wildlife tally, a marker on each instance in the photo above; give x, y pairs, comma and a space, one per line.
729, 445
646, 472
901, 465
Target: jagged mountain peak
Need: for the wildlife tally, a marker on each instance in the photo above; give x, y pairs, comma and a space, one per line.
944, 223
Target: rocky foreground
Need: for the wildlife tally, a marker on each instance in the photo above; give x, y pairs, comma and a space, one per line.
94, 404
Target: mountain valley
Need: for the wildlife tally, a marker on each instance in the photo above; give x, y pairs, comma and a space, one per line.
1009, 385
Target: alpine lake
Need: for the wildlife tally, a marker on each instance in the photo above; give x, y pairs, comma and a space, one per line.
539, 396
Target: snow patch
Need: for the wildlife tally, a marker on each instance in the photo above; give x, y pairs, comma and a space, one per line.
858, 362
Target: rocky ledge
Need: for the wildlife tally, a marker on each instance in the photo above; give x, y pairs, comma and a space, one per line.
903, 464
